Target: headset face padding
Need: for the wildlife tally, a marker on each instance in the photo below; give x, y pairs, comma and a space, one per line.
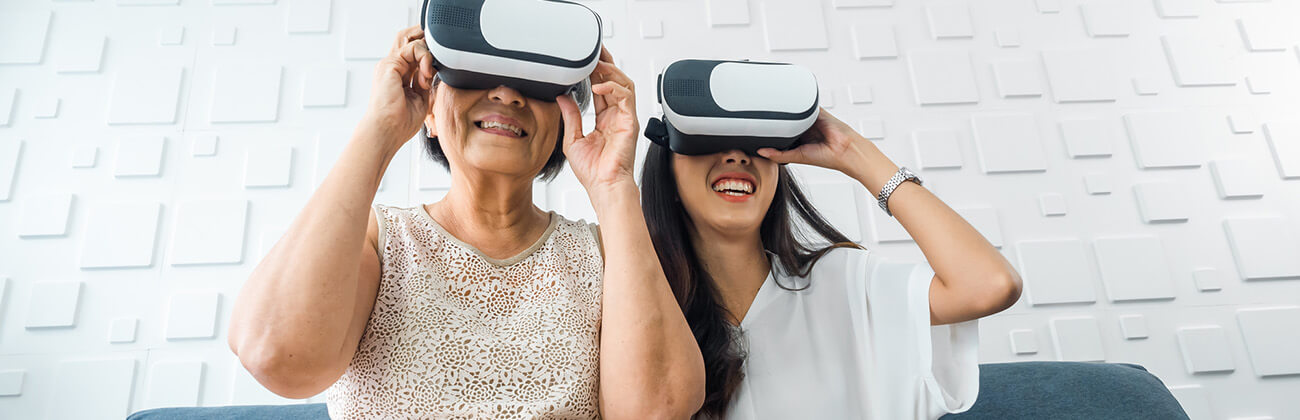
541, 48
712, 106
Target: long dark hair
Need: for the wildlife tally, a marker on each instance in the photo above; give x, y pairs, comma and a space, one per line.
697, 292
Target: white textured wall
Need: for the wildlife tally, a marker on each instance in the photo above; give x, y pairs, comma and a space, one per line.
1139, 160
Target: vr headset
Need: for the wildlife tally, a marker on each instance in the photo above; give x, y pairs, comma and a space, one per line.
541, 48
712, 106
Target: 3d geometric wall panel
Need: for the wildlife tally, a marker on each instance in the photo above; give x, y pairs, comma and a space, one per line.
1008, 143
209, 232
1078, 339
1136, 161
1271, 336
1134, 268
1056, 271
1264, 247
92, 389
1165, 139
120, 234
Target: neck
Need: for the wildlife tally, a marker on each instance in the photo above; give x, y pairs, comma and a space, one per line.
492, 212
737, 264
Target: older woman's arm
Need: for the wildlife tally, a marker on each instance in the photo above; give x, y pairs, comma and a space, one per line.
650, 365
972, 279
301, 313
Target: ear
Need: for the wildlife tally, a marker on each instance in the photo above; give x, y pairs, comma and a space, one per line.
430, 126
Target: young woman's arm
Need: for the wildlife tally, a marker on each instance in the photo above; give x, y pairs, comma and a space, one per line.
300, 314
972, 279
650, 365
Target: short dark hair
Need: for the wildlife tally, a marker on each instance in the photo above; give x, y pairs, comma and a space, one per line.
552, 168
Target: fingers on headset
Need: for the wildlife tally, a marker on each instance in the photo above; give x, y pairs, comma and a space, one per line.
571, 116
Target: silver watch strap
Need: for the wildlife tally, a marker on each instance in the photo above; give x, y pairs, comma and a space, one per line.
903, 174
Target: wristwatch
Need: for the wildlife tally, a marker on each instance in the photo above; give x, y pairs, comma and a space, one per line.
903, 174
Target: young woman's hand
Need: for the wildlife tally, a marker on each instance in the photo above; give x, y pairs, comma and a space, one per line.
400, 95
604, 157
832, 144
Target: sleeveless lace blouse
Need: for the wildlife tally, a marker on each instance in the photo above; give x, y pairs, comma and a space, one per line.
457, 334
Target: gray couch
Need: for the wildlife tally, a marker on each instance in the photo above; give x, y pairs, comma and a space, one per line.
1023, 390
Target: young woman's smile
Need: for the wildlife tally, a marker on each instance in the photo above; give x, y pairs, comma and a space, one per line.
736, 187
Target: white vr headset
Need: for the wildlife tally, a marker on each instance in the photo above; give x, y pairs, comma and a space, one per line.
541, 48
712, 106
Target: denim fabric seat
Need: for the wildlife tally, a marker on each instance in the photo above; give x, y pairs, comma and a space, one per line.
1020, 390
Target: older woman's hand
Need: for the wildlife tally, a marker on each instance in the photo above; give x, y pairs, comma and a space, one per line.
400, 93
604, 157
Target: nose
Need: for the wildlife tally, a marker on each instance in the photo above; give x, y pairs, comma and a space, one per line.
735, 156
505, 95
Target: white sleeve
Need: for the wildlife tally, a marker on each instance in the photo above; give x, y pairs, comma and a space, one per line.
949, 359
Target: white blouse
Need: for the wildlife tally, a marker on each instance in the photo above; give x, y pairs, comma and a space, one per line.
856, 344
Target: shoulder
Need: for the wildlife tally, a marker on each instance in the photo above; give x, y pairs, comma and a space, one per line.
841, 261
581, 228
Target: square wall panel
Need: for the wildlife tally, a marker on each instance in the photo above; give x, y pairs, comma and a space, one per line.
1165, 139
1056, 271
308, 16
325, 87
1284, 141
246, 92
120, 234
11, 382
1134, 268
937, 148
192, 315
1205, 349
942, 77
1272, 336
728, 12
791, 25
1018, 78
209, 232
949, 19
1077, 339
53, 304
268, 166
84, 56
1161, 201
1133, 326
1178, 8
1008, 143
1199, 61
139, 156
92, 389
874, 41
145, 94
1023, 341
45, 214
24, 33
10, 152
1237, 178
1112, 18
1087, 137
368, 31
1081, 75
1264, 247
174, 384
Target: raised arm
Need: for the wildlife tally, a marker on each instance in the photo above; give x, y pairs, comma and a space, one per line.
650, 365
300, 314
972, 279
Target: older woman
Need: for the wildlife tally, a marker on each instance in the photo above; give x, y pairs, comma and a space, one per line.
481, 304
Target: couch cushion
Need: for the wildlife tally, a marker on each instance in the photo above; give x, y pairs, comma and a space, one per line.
240, 412
1070, 390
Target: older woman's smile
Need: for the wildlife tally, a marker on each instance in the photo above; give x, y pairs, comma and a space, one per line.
502, 126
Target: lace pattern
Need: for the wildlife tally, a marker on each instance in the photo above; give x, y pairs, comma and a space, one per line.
457, 334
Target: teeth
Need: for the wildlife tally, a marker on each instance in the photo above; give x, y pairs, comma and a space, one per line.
733, 187
503, 126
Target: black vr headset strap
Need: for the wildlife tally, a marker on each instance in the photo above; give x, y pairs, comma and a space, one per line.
657, 131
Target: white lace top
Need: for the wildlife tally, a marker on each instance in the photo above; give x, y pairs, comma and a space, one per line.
457, 334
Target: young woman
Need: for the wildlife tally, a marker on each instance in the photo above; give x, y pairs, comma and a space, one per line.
796, 321
479, 305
